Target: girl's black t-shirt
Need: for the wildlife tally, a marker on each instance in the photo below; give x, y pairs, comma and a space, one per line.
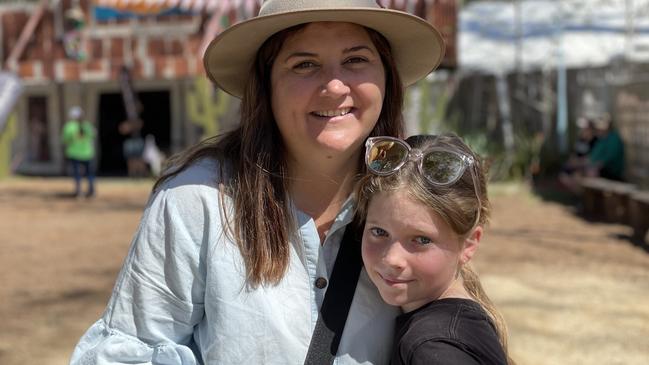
449, 331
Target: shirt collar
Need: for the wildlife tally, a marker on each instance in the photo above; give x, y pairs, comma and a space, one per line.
344, 216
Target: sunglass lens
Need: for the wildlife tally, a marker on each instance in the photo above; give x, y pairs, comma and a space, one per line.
386, 156
442, 167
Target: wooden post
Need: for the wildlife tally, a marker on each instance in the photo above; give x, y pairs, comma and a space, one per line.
639, 215
26, 34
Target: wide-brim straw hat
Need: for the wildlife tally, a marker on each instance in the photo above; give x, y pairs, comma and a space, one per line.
416, 45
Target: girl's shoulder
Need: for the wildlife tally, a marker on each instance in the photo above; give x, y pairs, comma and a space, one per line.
449, 314
451, 326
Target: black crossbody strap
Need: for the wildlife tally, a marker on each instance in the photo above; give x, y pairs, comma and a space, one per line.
337, 300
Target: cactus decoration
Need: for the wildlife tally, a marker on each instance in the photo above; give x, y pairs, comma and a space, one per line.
206, 105
6, 139
434, 99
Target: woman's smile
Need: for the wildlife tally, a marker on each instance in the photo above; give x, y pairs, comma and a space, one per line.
334, 116
332, 113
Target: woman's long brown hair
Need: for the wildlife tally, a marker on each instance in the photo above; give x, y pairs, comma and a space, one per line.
252, 160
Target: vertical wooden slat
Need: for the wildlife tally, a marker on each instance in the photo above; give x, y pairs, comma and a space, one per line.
27, 33
443, 14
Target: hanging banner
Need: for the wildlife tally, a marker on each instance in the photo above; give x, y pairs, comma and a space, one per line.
10, 90
106, 10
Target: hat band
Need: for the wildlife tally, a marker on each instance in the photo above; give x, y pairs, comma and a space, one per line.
270, 7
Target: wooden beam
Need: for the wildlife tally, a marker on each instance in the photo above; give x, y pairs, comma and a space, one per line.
27, 33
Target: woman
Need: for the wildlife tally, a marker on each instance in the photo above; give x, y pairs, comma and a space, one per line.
236, 245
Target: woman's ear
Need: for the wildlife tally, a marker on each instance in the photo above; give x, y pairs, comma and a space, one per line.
471, 244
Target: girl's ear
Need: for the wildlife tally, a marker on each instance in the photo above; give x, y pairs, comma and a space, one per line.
471, 244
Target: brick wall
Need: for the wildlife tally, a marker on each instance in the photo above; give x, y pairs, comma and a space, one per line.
162, 56
167, 55
444, 15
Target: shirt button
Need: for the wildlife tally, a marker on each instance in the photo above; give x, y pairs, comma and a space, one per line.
320, 283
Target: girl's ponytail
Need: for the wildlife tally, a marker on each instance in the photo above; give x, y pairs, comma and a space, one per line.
474, 287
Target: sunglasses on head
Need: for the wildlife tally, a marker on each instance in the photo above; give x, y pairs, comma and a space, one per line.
439, 164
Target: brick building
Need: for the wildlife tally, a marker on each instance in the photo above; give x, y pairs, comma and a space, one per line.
71, 52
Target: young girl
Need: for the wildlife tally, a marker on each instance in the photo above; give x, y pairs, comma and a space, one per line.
425, 204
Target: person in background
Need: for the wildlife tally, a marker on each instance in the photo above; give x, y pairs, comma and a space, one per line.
78, 138
133, 147
574, 169
235, 250
424, 201
586, 138
606, 159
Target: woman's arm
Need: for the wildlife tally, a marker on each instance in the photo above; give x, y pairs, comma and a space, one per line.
158, 297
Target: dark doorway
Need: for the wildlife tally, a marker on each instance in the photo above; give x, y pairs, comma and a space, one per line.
156, 115
38, 145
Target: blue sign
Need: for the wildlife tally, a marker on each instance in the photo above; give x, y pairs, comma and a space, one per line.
10, 90
105, 13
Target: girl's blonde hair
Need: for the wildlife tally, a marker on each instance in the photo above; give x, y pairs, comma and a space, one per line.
456, 204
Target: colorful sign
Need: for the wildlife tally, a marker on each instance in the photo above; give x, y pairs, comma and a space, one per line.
107, 10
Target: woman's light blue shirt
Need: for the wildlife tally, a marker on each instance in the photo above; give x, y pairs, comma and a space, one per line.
181, 297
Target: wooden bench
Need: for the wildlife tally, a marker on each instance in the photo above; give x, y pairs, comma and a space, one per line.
606, 200
639, 215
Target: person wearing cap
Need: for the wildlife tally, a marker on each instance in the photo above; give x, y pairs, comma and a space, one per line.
235, 249
78, 138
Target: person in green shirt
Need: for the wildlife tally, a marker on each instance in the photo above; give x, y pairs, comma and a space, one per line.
606, 159
78, 138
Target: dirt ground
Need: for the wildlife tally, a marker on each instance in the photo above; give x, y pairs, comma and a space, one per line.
572, 292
